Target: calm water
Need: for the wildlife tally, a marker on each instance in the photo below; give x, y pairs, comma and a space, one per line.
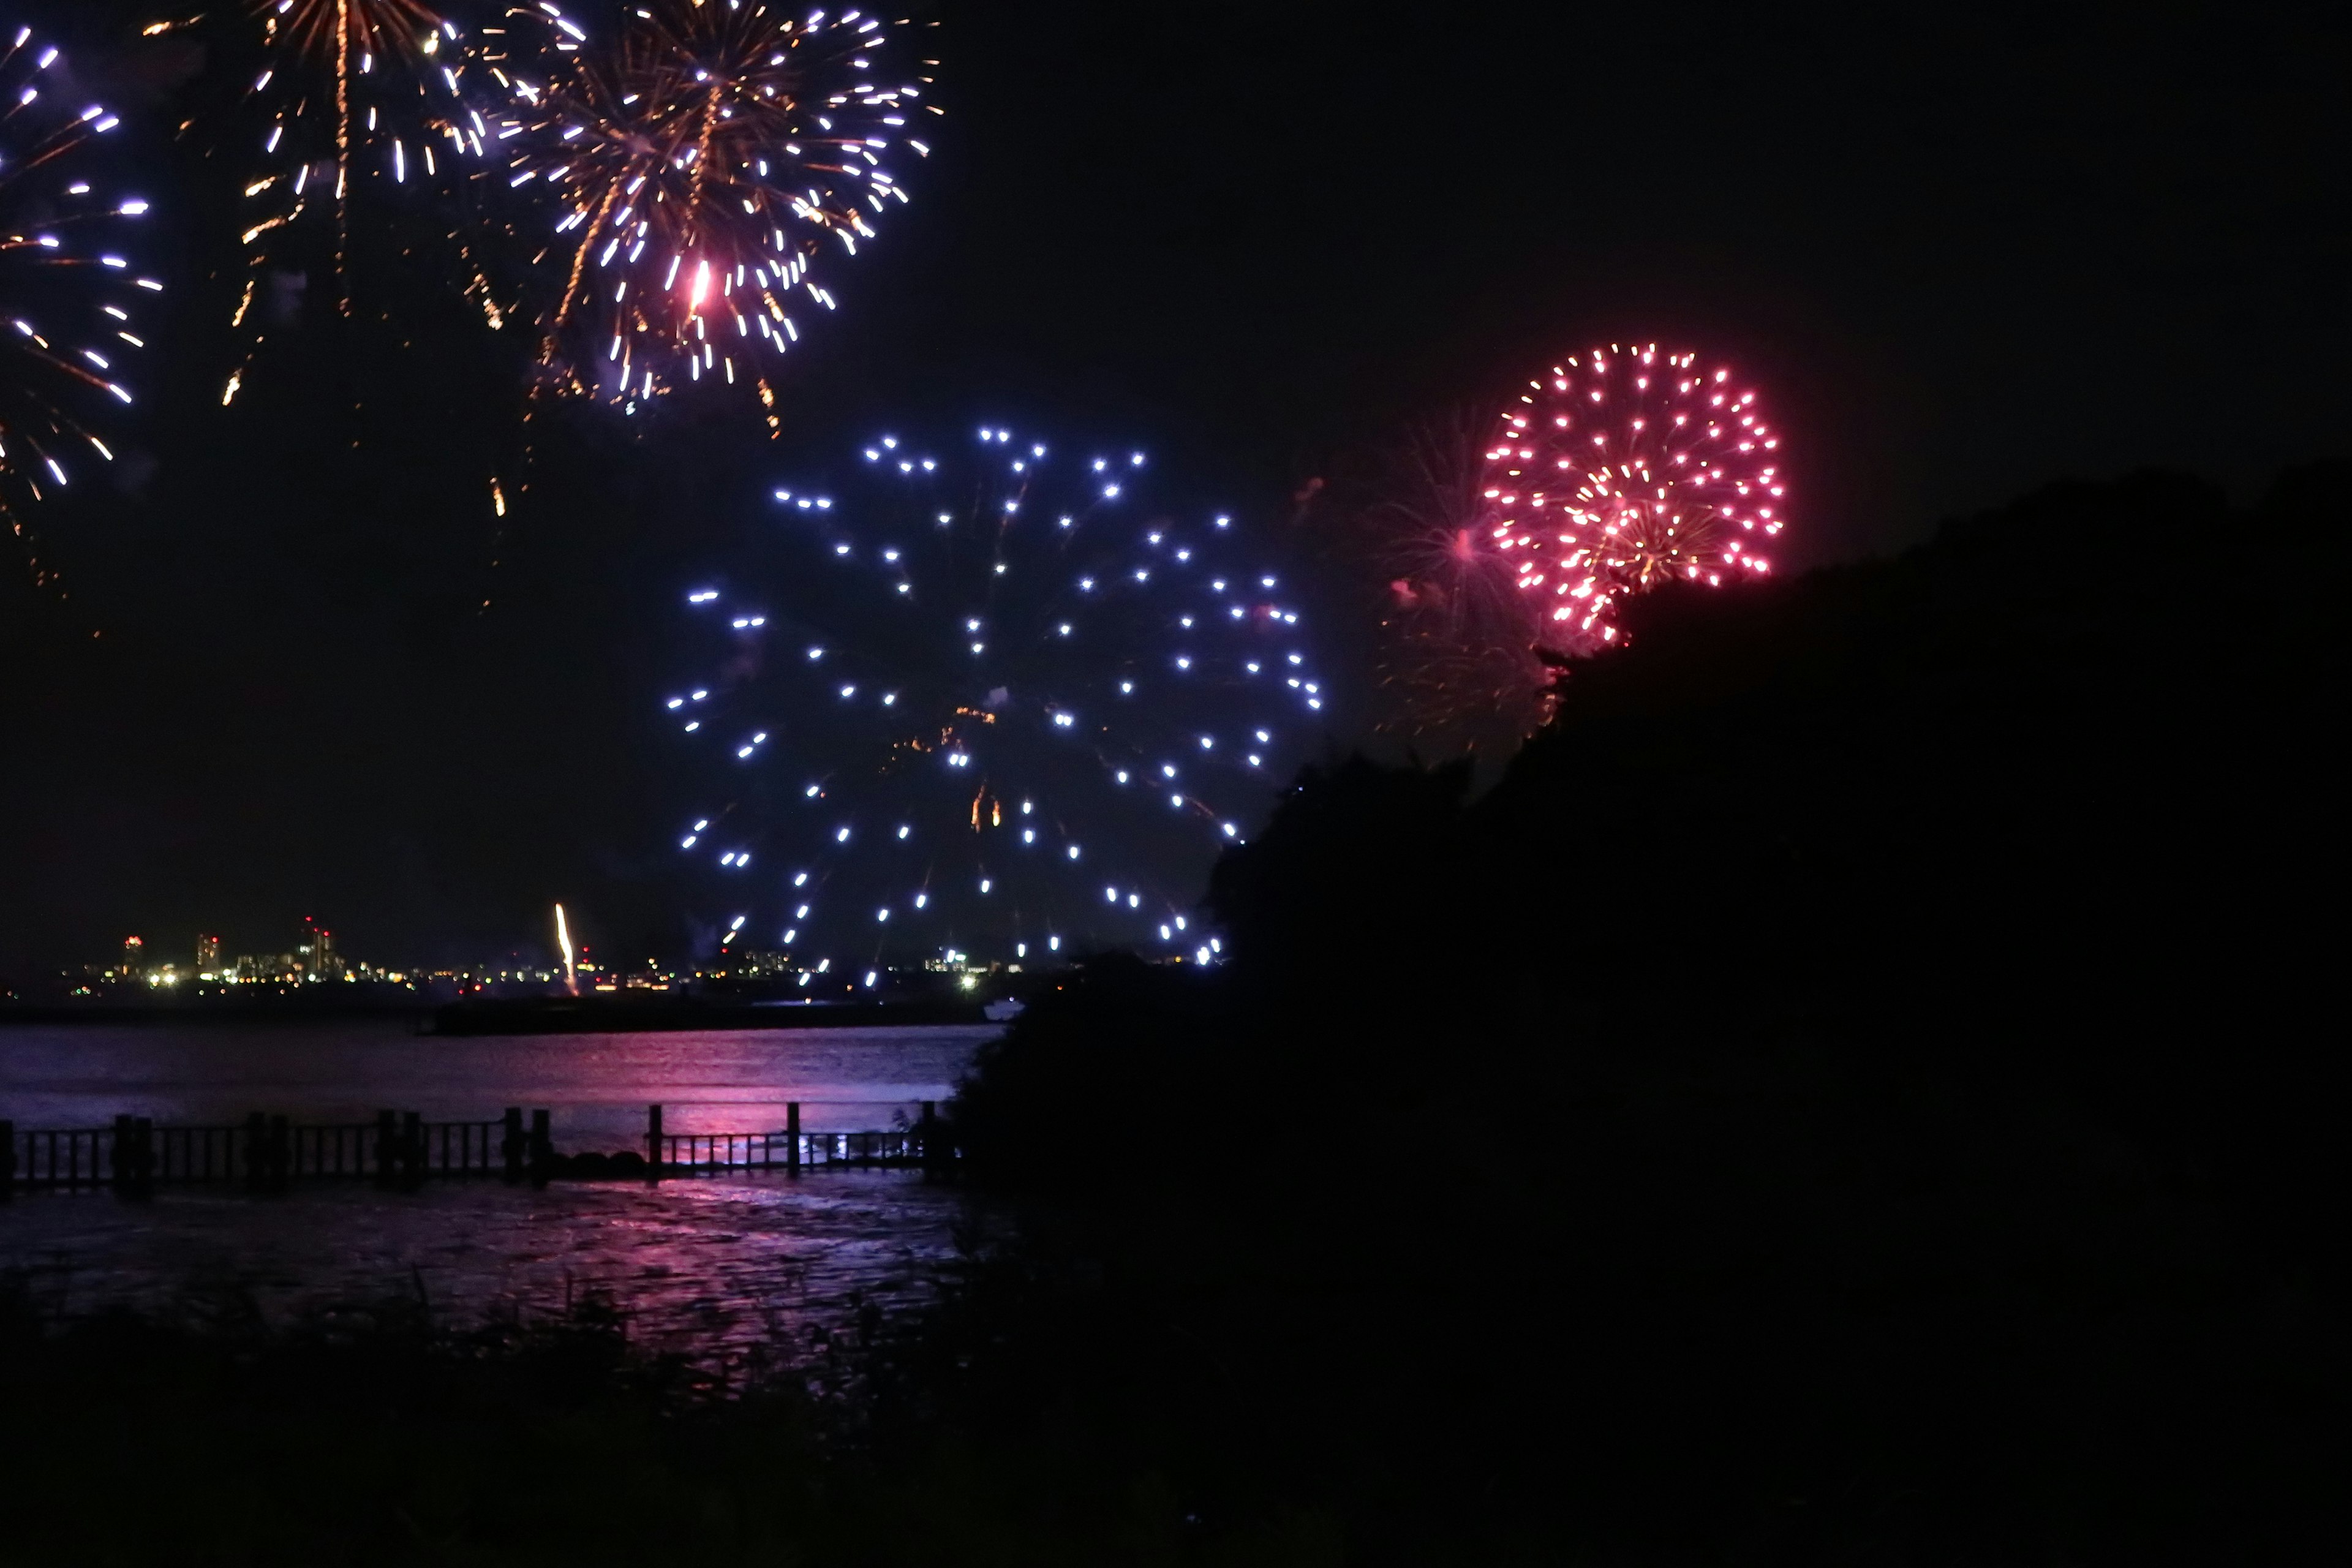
701, 1265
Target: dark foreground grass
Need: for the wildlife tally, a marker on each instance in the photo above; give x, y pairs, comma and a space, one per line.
1738, 1311
377, 1438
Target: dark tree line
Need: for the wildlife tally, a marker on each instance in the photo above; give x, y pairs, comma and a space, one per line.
1862, 1083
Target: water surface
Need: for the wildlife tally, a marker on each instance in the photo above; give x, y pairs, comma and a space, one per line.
700, 1265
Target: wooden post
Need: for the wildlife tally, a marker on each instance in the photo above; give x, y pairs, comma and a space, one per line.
121, 1166
139, 1179
281, 1148
8, 1161
510, 1145
257, 1151
387, 1153
793, 1137
542, 1148
652, 1144
411, 1149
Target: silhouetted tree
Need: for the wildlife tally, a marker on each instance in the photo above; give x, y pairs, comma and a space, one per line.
1786, 1114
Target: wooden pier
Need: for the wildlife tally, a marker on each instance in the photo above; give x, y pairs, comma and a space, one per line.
401, 1149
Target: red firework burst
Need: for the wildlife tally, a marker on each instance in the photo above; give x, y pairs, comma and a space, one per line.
1623, 469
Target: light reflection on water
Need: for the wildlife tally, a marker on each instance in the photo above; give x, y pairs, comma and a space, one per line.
700, 1266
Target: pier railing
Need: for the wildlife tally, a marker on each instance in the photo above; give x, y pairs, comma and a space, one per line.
266, 1153
791, 1149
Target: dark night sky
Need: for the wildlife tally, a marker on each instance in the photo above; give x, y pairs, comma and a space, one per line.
1963, 251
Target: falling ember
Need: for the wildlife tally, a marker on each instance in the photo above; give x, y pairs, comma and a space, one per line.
1623, 469
67, 291
694, 173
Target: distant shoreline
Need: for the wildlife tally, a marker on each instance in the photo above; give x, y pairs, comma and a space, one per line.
209, 1013
528, 1015
596, 1016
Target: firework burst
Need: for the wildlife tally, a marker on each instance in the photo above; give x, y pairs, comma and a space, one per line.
1458, 658
354, 98
992, 700
1623, 469
70, 287
700, 168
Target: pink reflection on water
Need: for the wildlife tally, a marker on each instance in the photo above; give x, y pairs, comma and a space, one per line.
597, 1086
708, 1267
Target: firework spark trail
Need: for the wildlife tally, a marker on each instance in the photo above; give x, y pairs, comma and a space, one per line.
563, 941
988, 701
698, 167
1458, 655
1622, 470
1433, 524
68, 286
367, 91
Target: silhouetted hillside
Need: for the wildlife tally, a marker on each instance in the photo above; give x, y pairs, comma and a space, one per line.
1860, 1082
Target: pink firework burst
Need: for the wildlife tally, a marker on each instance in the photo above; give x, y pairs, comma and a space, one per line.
1432, 530
1623, 469
1458, 659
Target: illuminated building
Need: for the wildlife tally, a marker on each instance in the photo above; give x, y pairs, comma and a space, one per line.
318, 961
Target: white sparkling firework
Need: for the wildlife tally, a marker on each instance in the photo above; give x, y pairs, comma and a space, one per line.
353, 101
988, 698
70, 293
703, 173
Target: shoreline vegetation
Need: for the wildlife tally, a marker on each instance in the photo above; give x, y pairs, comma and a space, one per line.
1855, 1091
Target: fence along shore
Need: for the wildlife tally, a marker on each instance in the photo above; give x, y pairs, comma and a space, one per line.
401, 1149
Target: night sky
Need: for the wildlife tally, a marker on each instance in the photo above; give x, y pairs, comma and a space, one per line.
1963, 251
